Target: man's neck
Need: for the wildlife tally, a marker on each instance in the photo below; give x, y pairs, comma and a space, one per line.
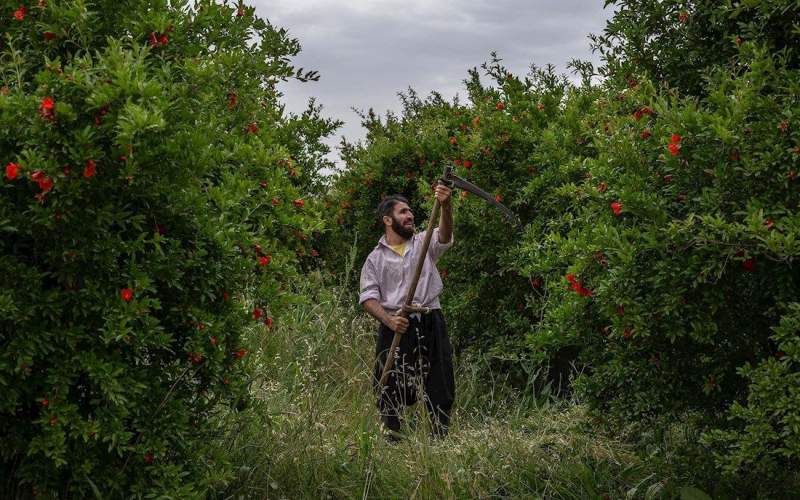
393, 238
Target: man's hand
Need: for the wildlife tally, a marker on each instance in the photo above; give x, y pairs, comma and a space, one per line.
398, 324
442, 193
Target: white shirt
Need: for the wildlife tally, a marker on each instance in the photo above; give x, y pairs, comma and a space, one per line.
386, 275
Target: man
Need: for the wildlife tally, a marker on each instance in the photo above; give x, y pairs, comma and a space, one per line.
425, 362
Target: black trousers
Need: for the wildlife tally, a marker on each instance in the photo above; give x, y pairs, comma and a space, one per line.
424, 369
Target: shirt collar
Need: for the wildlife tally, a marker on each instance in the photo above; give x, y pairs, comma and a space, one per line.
383, 242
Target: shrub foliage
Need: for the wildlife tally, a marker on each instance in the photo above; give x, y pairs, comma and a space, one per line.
153, 199
660, 211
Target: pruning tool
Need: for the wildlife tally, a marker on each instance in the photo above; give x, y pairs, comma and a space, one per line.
450, 180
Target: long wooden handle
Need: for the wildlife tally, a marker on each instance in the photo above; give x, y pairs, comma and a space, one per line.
411, 291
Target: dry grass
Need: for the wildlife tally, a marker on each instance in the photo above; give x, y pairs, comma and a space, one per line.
316, 432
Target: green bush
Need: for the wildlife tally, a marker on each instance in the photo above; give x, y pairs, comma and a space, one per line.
154, 197
661, 228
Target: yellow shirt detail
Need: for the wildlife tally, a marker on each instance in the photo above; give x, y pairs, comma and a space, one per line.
399, 249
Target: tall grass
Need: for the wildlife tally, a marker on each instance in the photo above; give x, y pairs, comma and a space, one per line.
314, 431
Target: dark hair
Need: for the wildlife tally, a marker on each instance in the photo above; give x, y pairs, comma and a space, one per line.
386, 206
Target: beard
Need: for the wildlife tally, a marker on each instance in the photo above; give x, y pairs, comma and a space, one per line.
404, 231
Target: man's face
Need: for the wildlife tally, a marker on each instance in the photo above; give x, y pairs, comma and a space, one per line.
403, 220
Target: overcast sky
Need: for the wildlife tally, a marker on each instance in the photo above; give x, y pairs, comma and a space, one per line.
367, 51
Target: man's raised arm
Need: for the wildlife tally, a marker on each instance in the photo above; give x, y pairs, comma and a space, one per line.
446, 218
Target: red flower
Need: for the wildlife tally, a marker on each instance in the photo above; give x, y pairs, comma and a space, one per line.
240, 11
90, 169
126, 294
45, 402
500, 106
225, 381
498, 198
196, 358
163, 40
314, 253
769, 223
645, 133
668, 178
674, 149
638, 114
683, 16
616, 206
268, 321
540, 107
240, 353
620, 310
647, 111
231, 100
49, 36
675, 138
453, 141
153, 39
467, 164
299, 203
749, 265
225, 296
213, 340
783, 126
45, 184
201, 326
12, 171
19, 14
148, 458
46, 108
276, 201
264, 260
739, 41
627, 333
53, 421
257, 313
252, 127
457, 162
578, 287
602, 187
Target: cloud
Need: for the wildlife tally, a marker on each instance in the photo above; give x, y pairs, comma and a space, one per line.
366, 51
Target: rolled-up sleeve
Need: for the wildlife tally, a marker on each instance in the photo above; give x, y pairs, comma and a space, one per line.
369, 283
436, 249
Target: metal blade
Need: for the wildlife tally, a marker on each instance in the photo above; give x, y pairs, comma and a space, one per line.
460, 183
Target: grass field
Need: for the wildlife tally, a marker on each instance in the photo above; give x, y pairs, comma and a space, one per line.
316, 433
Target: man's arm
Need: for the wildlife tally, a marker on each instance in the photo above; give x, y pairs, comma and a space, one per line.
446, 218
394, 323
